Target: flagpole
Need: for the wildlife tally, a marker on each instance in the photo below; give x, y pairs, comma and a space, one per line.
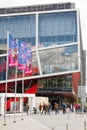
22, 94
15, 86
15, 96
22, 55
5, 99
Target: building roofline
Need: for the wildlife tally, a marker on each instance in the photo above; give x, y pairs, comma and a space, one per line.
36, 8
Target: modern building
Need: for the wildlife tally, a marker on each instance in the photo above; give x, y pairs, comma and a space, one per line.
53, 32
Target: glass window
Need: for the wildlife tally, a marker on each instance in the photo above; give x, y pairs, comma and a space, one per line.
22, 27
35, 66
12, 70
2, 68
57, 28
35, 69
59, 83
59, 59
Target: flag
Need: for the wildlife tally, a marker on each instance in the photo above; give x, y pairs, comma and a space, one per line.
21, 55
24, 57
28, 68
12, 52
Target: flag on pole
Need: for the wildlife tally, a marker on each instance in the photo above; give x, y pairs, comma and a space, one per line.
12, 52
21, 55
28, 68
24, 57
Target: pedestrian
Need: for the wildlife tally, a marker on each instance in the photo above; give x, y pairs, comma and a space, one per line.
40, 107
44, 109
27, 108
64, 108
49, 108
56, 109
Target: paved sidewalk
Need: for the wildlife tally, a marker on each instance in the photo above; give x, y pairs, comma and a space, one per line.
69, 121
28, 123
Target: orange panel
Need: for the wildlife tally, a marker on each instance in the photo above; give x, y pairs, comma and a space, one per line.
75, 80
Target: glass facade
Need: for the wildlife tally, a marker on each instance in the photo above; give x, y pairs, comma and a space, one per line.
12, 70
21, 27
2, 68
57, 28
59, 59
56, 84
56, 50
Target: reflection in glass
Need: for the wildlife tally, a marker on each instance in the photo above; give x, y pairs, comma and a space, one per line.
61, 83
57, 28
35, 69
35, 64
2, 68
21, 27
59, 59
12, 70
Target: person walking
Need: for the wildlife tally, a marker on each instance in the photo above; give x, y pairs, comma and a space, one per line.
40, 107
56, 108
27, 108
49, 108
64, 108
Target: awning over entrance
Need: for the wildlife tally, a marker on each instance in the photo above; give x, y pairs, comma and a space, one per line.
68, 95
61, 94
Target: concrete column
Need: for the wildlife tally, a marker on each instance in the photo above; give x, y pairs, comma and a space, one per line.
32, 103
29, 101
2, 101
21, 105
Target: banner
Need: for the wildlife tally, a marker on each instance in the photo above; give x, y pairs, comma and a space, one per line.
21, 55
28, 68
12, 52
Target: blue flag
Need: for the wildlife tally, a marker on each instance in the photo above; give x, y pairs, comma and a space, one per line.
12, 52
28, 61
21, 55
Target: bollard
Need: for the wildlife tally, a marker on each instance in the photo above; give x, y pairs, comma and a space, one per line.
4, 121
66, 126
52, 128
75, 115
84, 125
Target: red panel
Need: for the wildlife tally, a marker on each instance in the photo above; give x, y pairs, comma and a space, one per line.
3, 86
75, 80
9, 102
32, 90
